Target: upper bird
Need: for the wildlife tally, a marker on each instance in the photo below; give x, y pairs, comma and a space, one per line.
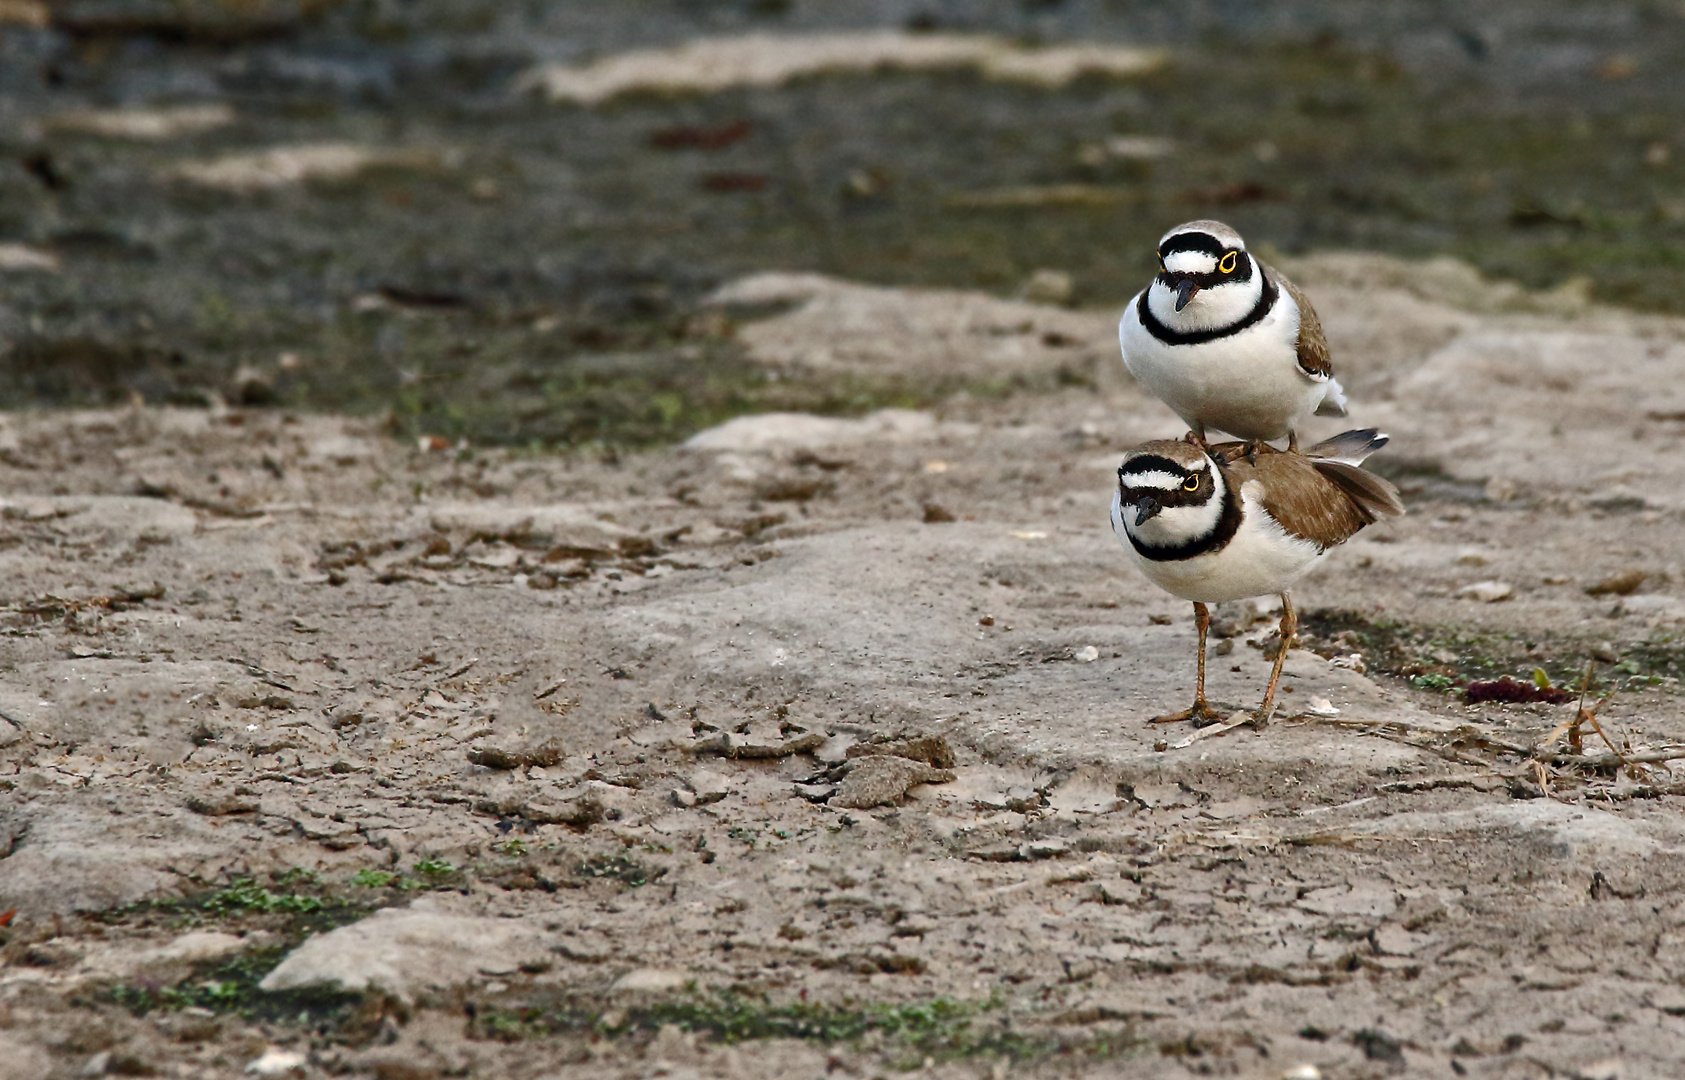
1226, 341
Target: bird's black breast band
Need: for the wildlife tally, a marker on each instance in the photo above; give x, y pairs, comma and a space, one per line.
1266, 301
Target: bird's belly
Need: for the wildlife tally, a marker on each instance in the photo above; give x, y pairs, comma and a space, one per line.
1249, 385
1256, 562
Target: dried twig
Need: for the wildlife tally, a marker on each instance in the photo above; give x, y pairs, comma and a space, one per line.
1609, 761
1240, 719
1583, 715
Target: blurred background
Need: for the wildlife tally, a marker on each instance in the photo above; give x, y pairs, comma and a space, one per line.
420, 209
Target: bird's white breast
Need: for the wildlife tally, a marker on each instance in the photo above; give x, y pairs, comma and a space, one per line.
1248, 383
1261, 558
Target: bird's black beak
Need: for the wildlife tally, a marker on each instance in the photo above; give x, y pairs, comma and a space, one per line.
1145, 509
1185, 290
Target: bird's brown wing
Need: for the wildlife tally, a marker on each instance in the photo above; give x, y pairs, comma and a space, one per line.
1376, 496
1313, 344
1303, 498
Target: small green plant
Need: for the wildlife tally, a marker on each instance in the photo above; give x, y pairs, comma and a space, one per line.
942, 1027
384, 879
244, 894
433, 868
625, 870
1433, 681
513, 848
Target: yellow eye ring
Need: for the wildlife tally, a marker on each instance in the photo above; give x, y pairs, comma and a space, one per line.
1191, 483
1229, 261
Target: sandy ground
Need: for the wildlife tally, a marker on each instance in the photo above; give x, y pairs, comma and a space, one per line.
250, 645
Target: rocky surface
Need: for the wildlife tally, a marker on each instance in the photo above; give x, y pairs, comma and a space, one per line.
330, 754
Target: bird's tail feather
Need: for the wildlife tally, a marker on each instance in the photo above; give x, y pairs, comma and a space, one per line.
1340, 460
1349, 447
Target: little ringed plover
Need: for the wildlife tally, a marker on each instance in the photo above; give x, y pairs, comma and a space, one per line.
1228, 522
1226, 341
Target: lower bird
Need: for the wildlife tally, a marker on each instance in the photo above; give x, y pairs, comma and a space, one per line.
1224, 522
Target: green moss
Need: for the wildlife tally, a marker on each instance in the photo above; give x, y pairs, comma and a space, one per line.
622, 868
222, 985
943, 1028
244, 894
230, 985
434, 869
1444, 658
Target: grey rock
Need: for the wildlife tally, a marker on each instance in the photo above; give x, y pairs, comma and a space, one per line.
220, 802
46, 878
708, 786
816, 792
1118, 892
753, 744
834, 749
650, 979
998, 852
933, 750
1667, 999
1023, 799
577, 808
409, 952
881, 780
1487, 592
1050, 848
518, 753
1362, 897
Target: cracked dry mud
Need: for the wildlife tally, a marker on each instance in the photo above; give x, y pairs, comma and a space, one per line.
529, 756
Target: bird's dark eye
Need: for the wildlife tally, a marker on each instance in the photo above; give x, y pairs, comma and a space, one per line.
1191, 483
1228, 264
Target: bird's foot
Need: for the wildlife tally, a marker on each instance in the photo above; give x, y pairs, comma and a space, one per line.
1228, 453
1201, 712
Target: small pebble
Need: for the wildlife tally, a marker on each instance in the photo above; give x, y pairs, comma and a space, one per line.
276, 1062
1487, 592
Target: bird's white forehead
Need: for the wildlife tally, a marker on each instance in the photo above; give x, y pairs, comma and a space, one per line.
1156, 478
1195, 262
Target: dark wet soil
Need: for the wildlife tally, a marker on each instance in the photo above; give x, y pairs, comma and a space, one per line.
533, 278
